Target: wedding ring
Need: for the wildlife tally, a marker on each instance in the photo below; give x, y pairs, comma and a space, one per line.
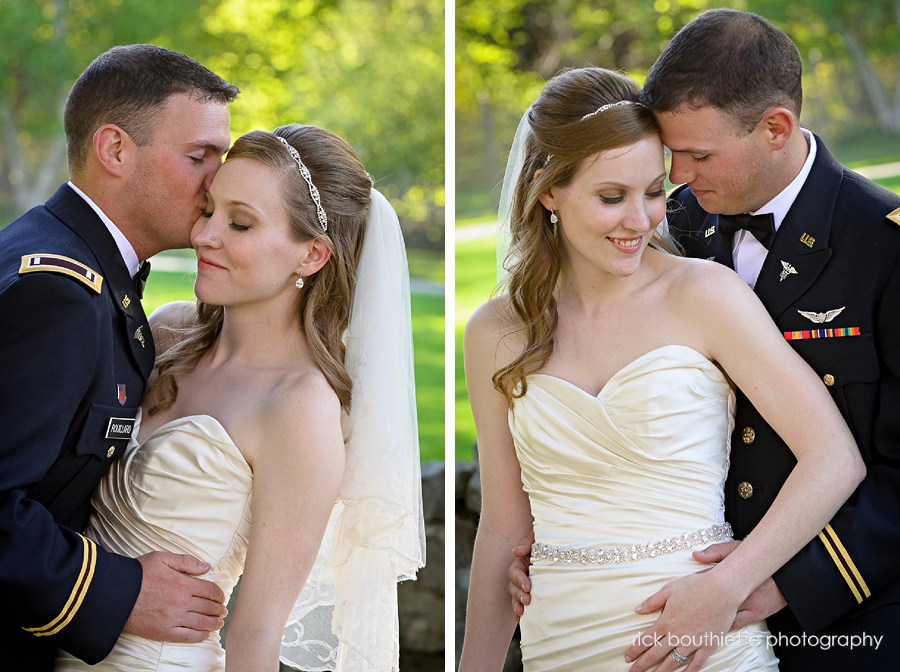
678, 658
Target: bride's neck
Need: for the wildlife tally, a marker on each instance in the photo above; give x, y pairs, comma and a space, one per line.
593, 291
264, 335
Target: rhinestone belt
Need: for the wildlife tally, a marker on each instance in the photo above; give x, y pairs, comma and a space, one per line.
617, 554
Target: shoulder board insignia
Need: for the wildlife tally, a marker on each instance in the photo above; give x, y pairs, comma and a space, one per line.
54, 263
894, 216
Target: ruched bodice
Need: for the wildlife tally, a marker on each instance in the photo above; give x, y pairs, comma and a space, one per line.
185, 490
650, 449
638, 465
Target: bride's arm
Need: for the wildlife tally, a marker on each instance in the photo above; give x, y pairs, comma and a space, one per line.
505, 512
298, 464
738, 333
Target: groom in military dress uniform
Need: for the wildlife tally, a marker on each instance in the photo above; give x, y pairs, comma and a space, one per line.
146, 129
822, 252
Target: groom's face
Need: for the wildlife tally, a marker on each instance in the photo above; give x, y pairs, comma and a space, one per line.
727, 168
175, 170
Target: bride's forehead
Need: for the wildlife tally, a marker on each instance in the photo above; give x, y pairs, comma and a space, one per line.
644, 156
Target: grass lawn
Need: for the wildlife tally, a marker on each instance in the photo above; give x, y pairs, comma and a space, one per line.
428, 344
476, 274
892, 183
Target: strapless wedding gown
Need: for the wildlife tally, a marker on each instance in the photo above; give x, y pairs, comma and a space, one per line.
623, 486
186, 490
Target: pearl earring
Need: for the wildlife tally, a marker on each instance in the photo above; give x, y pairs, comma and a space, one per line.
299, 283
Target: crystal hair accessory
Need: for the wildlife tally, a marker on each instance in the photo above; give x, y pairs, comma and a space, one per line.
603, 108
304, 172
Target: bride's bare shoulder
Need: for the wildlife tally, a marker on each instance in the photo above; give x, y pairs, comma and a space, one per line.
493, 333
704, 280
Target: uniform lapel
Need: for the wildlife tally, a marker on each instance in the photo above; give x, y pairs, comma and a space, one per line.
800, 250
75, 213
708, 243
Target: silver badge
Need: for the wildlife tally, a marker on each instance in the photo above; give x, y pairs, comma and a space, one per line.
787, 270
819, 318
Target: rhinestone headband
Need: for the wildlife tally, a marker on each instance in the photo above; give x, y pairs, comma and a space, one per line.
304, 172
603, 108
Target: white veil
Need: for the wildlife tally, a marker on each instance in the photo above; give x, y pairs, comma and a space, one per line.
376, 535
514, 165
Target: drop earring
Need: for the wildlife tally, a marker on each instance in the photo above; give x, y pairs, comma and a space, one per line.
553, 218
299, 283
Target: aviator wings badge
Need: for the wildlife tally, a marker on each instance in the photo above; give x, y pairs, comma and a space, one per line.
819, 318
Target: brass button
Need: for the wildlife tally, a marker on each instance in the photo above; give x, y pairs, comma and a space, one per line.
829, 379
111, 451
126, 302
745, 490
748, 435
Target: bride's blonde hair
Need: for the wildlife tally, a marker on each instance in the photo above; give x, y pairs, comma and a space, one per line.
567, 127
345, 191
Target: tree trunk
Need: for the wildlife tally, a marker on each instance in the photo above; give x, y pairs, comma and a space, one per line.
888, 115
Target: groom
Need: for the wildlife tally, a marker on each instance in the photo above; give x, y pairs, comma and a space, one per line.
146, 129
823, 255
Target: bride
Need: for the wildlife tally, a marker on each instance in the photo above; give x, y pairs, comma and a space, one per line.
292, 379
601, 385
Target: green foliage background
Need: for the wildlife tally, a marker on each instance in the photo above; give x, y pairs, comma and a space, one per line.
371, 71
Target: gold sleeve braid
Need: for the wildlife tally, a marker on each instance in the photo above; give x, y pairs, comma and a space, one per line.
76, 597
845, 565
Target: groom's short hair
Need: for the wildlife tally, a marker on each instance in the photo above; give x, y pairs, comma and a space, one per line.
732, 60
127, 86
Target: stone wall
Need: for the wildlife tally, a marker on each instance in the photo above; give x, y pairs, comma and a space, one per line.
421, 601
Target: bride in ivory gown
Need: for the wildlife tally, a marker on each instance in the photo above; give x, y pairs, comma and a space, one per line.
273, 385
601, 389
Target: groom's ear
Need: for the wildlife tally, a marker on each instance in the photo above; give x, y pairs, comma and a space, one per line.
112, 149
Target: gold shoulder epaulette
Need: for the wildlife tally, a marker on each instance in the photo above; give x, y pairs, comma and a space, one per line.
54, 263
894, 216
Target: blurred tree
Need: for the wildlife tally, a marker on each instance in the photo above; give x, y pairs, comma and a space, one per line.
46, 45
369, 70
506, 50
855, 47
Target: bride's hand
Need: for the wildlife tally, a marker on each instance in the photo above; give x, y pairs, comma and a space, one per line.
698, 611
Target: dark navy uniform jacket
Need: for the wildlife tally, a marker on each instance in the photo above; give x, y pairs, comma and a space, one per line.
842, 237
75, 354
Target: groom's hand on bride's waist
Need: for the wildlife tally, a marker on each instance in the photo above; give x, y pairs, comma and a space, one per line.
762, 603
173, 606
519, 584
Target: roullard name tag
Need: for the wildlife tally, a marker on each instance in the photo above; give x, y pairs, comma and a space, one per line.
119, 428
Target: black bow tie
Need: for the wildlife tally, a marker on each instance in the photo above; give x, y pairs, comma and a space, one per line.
140, 279
761, 226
